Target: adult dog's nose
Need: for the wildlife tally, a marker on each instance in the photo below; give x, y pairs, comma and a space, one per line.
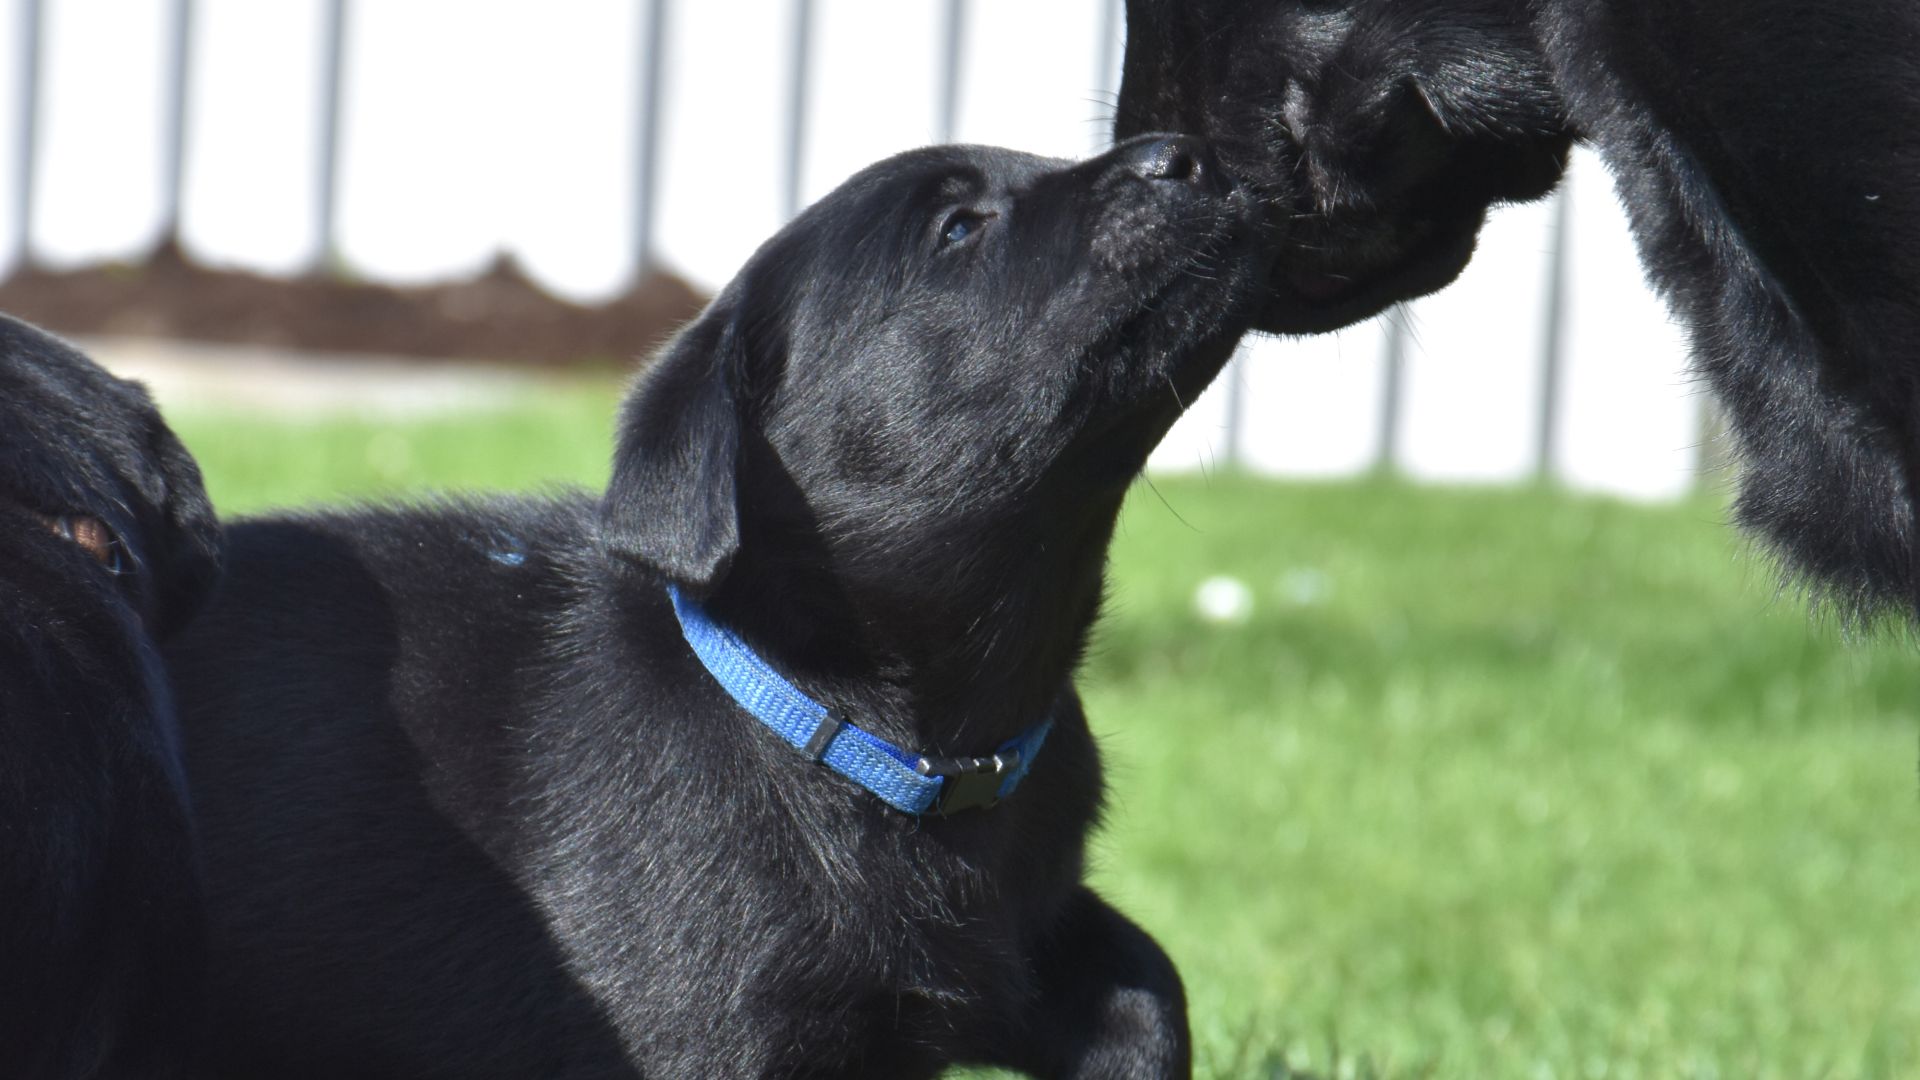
1174, 159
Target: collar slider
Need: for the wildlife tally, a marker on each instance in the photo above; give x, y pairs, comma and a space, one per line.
822, 738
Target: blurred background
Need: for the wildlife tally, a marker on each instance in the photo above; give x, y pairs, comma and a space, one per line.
629, 155
1451, 731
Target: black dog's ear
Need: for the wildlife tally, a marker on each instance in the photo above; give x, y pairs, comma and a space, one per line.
188, 544
672, 504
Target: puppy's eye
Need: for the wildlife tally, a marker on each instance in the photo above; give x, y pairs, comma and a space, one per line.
960, 225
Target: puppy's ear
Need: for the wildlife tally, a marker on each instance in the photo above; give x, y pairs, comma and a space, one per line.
673, 502
188, 545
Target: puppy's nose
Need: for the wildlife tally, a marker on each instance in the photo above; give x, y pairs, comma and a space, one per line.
1174, 159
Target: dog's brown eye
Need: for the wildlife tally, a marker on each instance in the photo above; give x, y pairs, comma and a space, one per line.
960, 225
93, 537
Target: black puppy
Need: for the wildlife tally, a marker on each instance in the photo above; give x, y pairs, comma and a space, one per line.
106, 540
484, 800
1768, 151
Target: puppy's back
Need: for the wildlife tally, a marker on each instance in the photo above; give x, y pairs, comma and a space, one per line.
385, 654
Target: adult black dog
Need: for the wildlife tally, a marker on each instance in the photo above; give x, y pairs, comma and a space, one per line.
481, 802
106, 539
1768, 152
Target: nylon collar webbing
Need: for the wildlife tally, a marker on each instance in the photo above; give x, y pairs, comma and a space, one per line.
912, 783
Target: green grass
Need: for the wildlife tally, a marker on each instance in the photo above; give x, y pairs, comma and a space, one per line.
558, 434
1490, 784
1530, 786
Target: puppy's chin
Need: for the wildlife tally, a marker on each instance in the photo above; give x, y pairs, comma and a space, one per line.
1178, 341
1114, 454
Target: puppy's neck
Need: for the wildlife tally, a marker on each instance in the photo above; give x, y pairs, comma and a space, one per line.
937, 652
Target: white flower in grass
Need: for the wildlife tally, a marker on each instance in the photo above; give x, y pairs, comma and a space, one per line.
1222, 599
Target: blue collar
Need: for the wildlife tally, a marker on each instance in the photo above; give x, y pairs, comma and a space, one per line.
911, 783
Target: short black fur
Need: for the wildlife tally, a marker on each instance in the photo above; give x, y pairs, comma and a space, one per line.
1768, 152
475, 810
101, 934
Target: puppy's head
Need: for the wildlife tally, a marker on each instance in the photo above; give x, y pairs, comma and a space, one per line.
85, 456
951, 338
1383, 128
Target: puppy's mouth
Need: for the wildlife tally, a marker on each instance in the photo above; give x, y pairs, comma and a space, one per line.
1211, 286
1221, 277
1185, 317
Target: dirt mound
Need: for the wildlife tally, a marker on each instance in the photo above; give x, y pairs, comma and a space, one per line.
500, 315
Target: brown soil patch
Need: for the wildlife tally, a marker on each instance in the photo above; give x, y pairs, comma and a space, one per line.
502, 315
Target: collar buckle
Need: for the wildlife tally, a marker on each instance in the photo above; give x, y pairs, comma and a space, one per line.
968, 783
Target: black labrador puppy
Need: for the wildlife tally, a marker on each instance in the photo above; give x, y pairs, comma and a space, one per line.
106, 542
698, 780
1768, 151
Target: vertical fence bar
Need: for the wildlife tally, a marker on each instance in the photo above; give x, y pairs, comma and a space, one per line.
332, 87
174, 167
1111, 20
646, 164
952, 52
28, 127
1386, 457
1546, 453
800, 70
1236, 391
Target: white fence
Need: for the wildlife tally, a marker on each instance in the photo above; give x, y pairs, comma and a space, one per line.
590, 137
1493, 382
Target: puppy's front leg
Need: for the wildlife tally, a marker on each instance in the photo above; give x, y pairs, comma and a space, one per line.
1110, 1006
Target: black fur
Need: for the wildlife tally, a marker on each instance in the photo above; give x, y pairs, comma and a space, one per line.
475, 810
100, 921
1768, 152
1381, 128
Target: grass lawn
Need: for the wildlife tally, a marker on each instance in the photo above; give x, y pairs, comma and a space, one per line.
1488, 784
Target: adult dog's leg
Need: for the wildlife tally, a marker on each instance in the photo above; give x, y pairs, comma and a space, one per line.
1111, 1004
